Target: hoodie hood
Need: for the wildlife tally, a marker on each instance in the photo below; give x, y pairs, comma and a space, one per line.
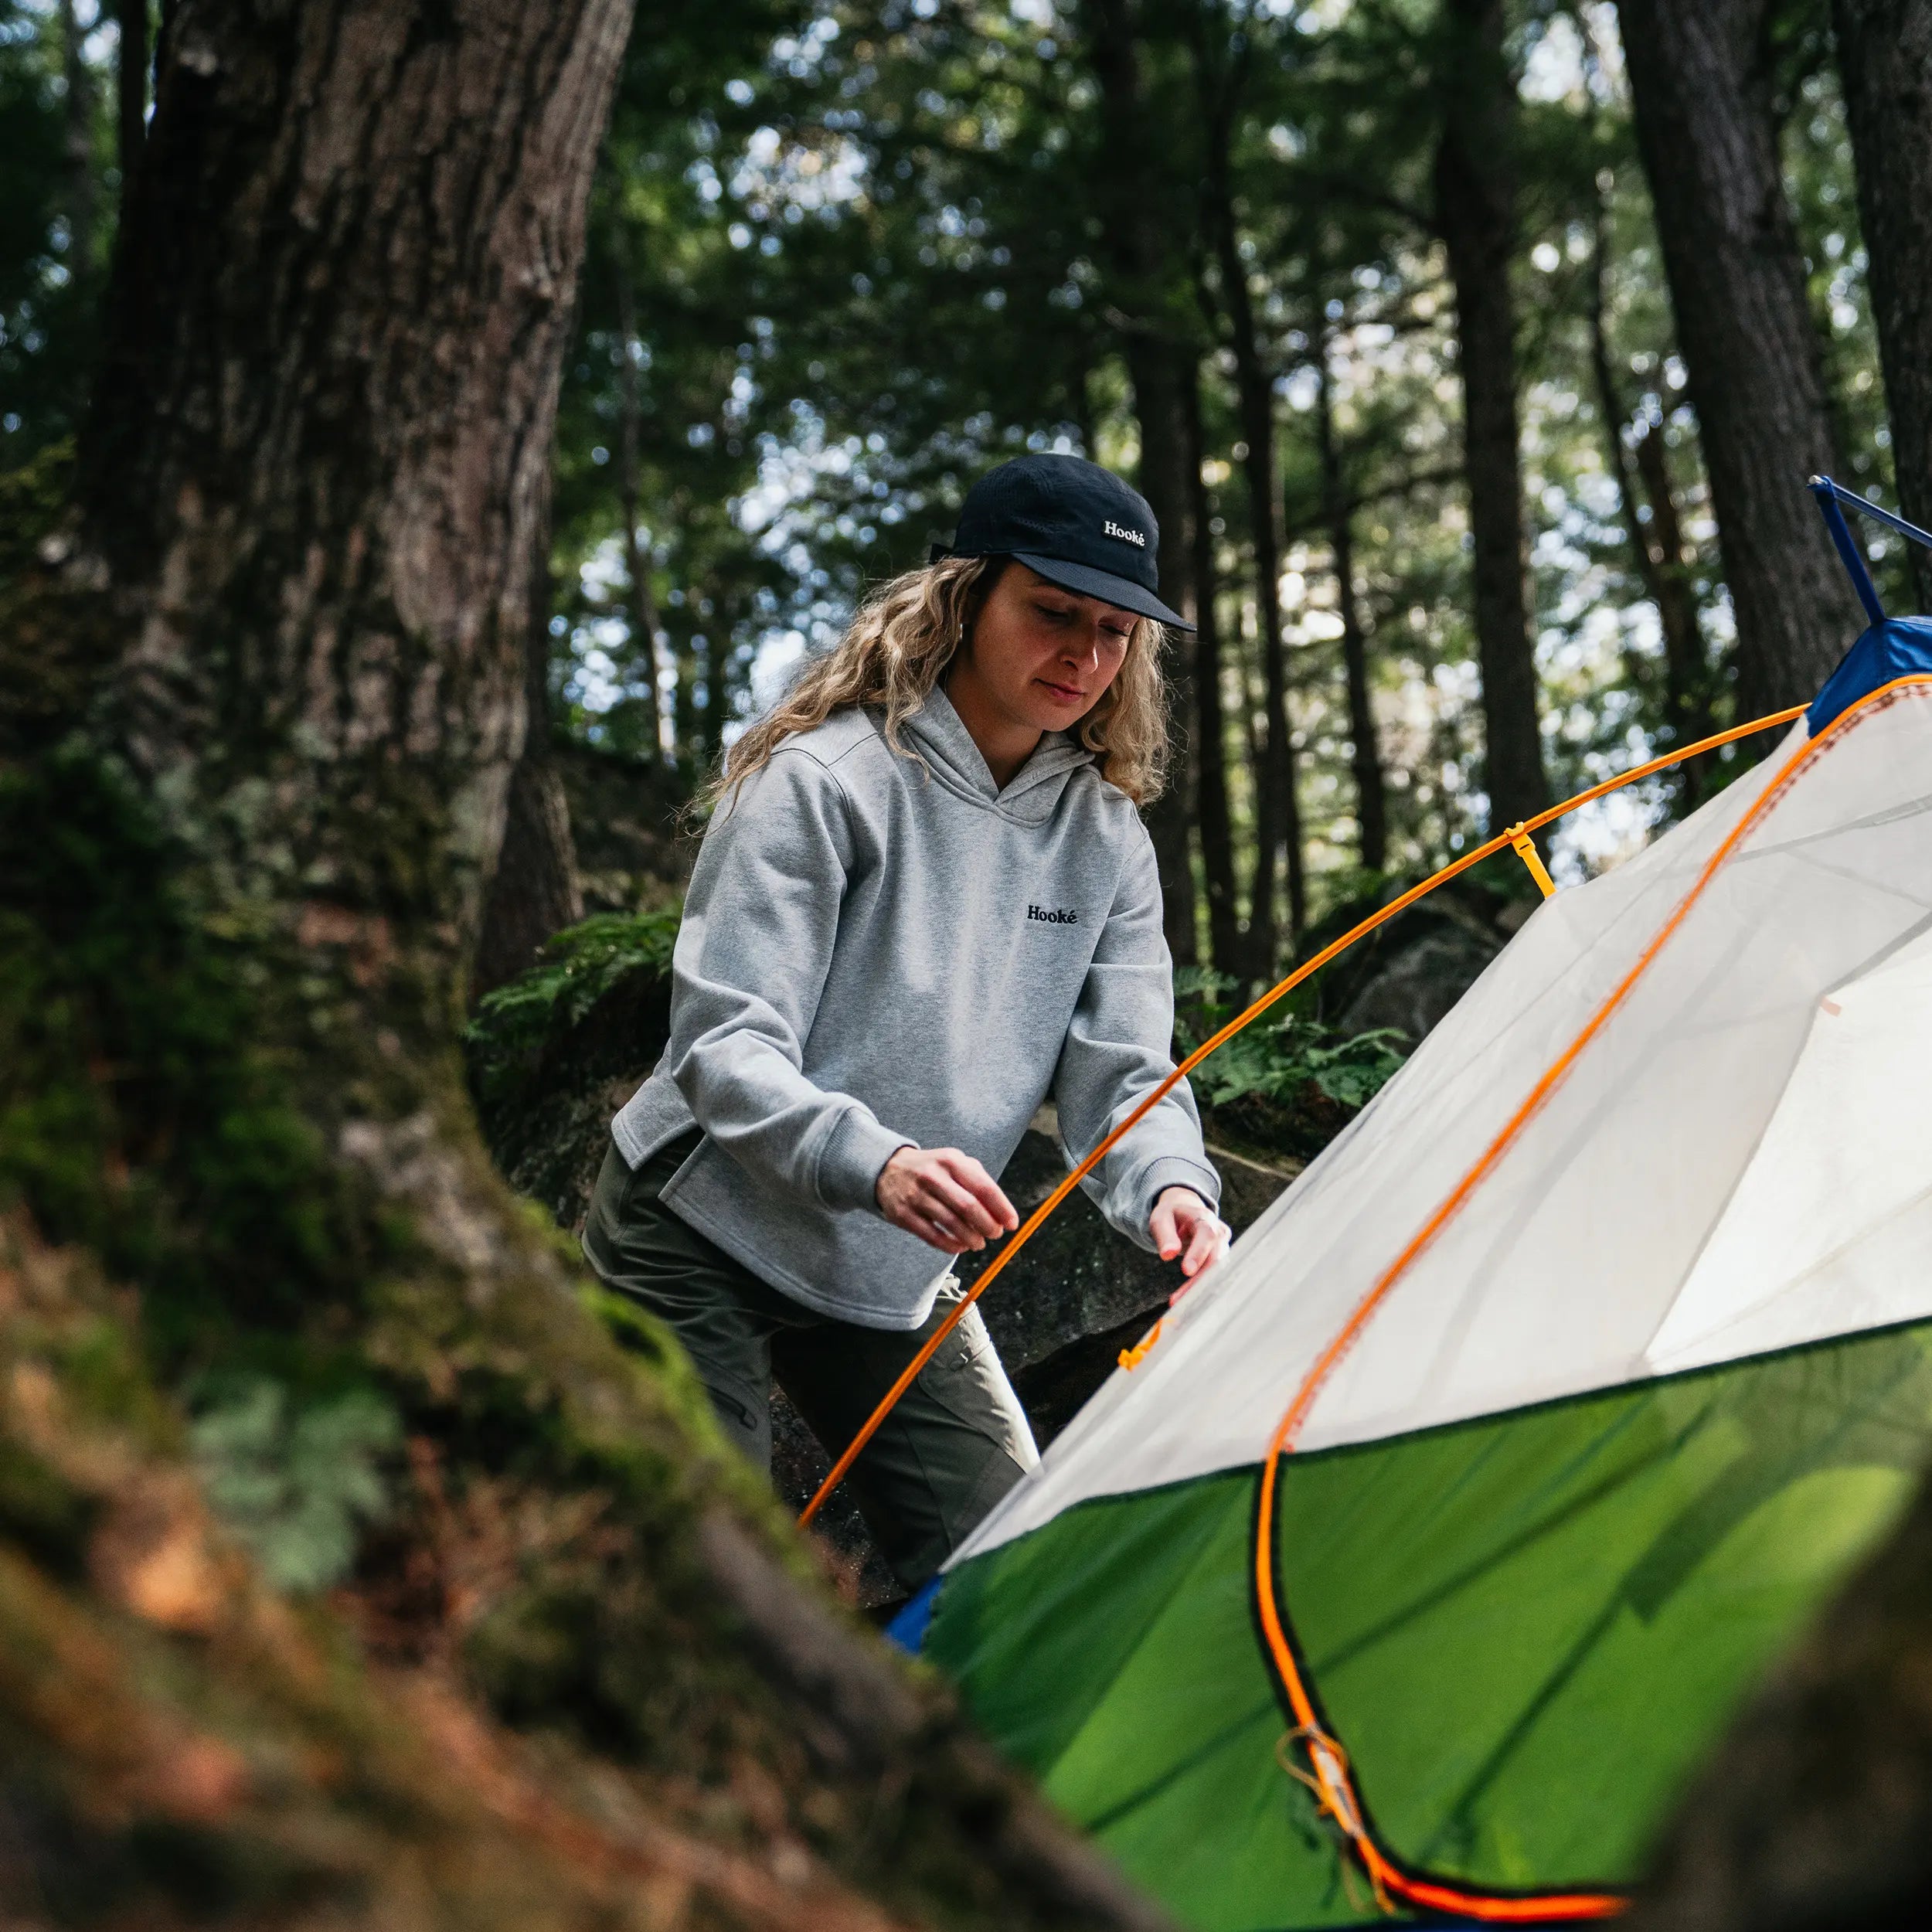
938, 734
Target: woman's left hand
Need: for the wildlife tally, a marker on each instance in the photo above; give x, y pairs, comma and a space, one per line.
1183, 1224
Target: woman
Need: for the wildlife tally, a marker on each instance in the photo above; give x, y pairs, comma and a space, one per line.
924, 904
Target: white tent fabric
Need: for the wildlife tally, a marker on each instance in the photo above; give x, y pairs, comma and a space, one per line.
1740, 1159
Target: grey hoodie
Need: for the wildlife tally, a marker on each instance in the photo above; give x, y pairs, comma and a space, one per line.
879, 950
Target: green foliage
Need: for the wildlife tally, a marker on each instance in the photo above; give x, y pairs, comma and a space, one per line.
1279, 1060
50, 279
298, 1485
576, 969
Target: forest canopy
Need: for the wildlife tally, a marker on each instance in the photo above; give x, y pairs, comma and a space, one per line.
841, 260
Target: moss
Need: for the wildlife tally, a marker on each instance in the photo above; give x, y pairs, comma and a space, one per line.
142, 1113
550, 1055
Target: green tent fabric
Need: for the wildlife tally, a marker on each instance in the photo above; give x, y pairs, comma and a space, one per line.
1604, 1380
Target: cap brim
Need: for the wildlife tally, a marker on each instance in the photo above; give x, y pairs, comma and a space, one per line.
1122, 593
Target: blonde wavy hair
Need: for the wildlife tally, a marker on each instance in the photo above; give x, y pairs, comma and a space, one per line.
896, 649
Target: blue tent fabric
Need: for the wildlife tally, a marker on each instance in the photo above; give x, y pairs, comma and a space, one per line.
908, 1629
1893, 648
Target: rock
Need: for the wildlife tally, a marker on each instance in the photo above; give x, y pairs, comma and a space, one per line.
1409, 973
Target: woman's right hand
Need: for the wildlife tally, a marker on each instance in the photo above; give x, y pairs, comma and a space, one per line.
944, 1197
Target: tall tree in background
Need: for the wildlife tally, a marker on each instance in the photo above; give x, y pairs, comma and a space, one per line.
1653, 527
1141, 210
131, 91
83, 182
533, 892
644, 608
1476, 212
1223, 52
1885, 56
1210, 720
1701, 90
1371, 801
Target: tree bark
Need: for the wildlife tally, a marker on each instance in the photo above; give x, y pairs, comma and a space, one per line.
1475, 184
130, 87
643, 610
342, 415
1364, 754
1700, 89
1137, 205
1210, 734
80, 203
1278, 814
533, 891
1656, 543
1884, 56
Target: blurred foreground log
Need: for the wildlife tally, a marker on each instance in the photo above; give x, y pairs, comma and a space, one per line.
1816, 1811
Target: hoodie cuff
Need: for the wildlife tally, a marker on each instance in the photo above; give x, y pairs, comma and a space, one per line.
849, 1168
1174, 1170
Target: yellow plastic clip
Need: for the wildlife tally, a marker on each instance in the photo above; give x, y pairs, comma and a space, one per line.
1132, 1358
1524, 848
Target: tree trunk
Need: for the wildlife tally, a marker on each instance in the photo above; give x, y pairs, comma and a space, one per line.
1210, 732
342, 415
1476, 212
130, 86
1885, 55
1278, 817
1278, 813
276, 690
1700, 89
1140, 240
1162, 376
1365, 755
1656, 543
643, 610
533, 891
80, 204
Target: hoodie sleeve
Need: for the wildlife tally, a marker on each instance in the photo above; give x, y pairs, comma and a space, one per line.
759, 920
1118, 1048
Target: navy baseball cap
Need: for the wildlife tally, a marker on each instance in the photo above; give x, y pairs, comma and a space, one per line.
1076, 523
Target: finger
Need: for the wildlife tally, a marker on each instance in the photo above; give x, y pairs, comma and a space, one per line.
908, 1212
933, 1234
973, 1177
939, 1213
964, 1205
1203, 1245
957, 1240
1167, 1238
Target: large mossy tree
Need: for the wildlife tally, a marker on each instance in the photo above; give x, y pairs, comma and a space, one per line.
351, 1570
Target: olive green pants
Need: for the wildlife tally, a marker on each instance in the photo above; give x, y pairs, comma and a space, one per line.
955, 1443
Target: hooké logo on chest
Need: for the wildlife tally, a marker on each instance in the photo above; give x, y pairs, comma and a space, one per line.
1052, 916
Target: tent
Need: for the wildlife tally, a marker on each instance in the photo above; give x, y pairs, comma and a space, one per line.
1438, 1532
